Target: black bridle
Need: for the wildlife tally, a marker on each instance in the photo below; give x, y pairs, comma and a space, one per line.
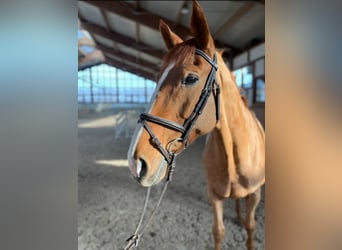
210, 86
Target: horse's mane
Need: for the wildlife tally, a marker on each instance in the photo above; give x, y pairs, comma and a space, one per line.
244, 100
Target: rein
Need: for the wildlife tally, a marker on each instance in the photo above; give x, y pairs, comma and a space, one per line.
210, 87
134, 239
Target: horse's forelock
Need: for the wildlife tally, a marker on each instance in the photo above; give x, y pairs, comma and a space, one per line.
181, 52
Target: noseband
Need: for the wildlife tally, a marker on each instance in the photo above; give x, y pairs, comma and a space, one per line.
210, 86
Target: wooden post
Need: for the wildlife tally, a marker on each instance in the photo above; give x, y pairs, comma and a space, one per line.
91, 86
145, 83
117, 85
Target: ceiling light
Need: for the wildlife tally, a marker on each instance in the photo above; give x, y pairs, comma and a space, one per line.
185, 9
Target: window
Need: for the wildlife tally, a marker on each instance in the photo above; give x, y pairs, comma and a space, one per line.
106, 84
251, 81
260, 90
244, 80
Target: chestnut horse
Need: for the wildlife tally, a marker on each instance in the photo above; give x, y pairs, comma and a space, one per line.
188, 92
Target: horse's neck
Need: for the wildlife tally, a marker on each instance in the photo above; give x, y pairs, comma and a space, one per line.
235, 116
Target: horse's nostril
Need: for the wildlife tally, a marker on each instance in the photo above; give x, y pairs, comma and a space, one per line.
141, 168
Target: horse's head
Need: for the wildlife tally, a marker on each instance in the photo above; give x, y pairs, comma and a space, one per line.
185, 103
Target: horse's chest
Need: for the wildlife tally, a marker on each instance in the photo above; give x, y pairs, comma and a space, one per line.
230, 172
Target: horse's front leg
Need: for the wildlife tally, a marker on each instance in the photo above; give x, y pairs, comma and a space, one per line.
218, 226
238, 210
252, 201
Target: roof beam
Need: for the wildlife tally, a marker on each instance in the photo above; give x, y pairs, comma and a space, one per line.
128, 11
119, 38
105, 18
146, 18
130, 58
234, 18
131, 69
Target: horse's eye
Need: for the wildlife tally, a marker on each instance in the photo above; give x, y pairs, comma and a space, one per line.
190, 79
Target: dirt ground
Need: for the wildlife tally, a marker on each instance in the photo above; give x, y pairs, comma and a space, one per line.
110, 201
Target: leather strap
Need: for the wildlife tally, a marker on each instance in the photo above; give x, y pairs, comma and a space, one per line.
163, 122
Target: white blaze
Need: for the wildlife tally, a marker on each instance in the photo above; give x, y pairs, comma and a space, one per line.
138, 130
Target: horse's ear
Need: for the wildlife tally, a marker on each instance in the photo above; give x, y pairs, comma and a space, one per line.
221, 51
199, 27
170, 38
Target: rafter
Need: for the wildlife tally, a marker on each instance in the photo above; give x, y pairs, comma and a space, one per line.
119, 38
140, 62
105, 18
130, 68
146, 18
234, 18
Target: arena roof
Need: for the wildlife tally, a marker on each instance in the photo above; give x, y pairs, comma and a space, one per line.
127, 32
